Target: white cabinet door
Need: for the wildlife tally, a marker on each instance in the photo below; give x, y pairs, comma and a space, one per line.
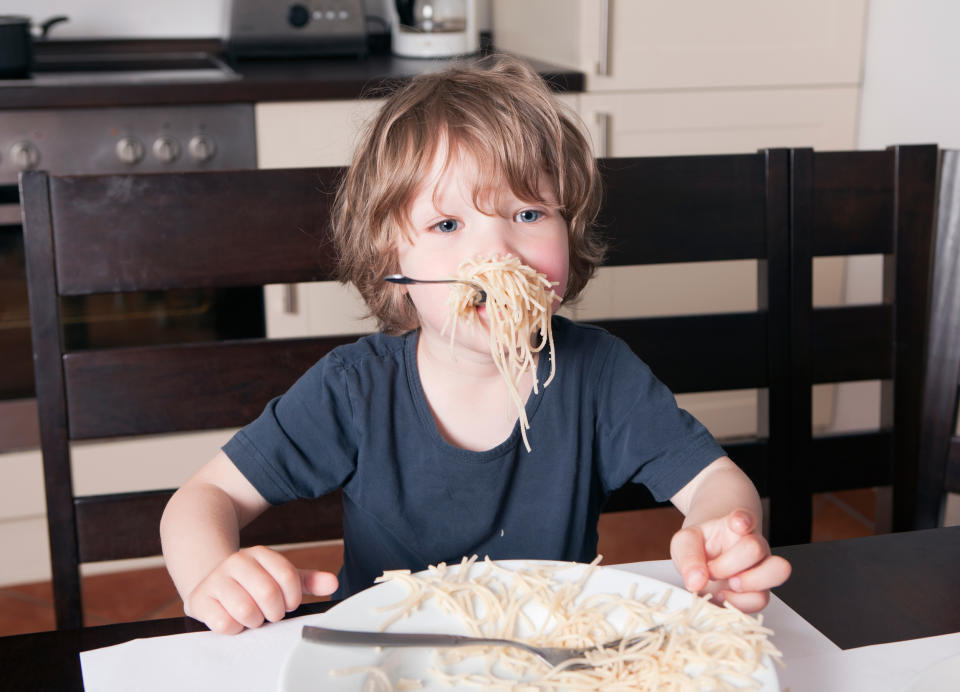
298, 134
301, 134
683, 44
722, 121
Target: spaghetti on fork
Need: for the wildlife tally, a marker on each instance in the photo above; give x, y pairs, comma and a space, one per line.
519, 307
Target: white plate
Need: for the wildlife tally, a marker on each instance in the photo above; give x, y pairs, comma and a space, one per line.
308, 666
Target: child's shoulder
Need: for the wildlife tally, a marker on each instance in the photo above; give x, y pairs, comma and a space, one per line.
373, 348
582, 335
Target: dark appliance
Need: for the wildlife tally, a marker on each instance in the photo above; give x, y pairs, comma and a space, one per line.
305, 28
16, 44
112, 140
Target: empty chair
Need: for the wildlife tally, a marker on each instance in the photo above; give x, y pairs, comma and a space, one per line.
939, 456
860, 203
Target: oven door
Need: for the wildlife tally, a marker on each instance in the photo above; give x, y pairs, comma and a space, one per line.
100, 321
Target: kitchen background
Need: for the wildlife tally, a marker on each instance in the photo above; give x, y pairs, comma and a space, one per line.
833, 75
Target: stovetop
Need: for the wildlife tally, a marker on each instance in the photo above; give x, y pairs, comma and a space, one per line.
91, 68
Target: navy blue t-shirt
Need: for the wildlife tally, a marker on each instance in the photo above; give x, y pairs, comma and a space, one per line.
358, 419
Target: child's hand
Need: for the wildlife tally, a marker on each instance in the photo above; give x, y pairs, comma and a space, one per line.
729, 558
253, 585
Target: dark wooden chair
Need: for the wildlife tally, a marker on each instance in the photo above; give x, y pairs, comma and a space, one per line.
783, 208
939, 466
98, 234
711, 208
860, 203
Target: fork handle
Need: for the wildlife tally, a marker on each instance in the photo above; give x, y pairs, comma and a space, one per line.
325, 635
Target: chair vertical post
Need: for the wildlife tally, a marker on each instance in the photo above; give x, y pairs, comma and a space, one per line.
792, 506
942, 374
775, 292
915, 175
46, 335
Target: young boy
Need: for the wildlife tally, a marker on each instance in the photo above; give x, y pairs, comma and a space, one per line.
421, 435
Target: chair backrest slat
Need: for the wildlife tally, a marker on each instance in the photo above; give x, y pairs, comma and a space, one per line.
101, 537
235, 228
852, 343
717, 213
686, 355
853, 203
193, 386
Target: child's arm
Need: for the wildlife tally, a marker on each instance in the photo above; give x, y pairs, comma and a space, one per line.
720, 547
226, 588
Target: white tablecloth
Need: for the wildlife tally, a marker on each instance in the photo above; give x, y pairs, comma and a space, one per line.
252, 660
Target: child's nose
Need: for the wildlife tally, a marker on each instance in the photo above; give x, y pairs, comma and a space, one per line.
493, 238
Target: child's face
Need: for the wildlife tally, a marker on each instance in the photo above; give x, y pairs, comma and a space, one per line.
446, 228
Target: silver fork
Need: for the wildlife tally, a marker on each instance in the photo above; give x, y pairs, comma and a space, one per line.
553, 656
403, 279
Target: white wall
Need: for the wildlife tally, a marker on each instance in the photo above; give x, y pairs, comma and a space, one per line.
911, 87
137, 19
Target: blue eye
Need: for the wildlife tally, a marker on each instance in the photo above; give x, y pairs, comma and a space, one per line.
528, 215
447, 225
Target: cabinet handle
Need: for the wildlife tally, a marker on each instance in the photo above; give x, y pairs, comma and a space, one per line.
603, 146
290, 306
603, 63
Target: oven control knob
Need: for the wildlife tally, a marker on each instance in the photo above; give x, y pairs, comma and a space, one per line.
298, 15
167, 149
130, 150
202, 148
25, 155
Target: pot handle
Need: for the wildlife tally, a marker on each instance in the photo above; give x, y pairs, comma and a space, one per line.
47, 24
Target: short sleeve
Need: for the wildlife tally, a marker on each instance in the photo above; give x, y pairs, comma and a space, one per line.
303, 445
644, 437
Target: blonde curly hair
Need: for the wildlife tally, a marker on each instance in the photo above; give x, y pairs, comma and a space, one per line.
499, 112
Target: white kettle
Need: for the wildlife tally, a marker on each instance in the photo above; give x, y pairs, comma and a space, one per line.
437, 29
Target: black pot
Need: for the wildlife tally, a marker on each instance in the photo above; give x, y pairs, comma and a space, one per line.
16, 44
16, 47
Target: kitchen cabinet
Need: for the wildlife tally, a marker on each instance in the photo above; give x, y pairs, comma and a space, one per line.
294, 135
719, 122
689, 44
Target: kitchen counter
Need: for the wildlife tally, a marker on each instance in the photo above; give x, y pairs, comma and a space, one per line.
295, 79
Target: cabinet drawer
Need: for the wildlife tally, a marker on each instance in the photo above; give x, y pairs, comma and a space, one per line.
723, 121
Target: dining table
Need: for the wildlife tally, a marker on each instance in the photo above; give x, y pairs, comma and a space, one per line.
869, 613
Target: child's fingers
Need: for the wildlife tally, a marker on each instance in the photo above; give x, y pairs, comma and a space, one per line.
750, 602
748, 551
215, 616
317, 583
770, 573
283, 574
689, 556
741, 522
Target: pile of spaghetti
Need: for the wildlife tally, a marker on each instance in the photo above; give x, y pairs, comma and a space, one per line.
701, 647
519, 305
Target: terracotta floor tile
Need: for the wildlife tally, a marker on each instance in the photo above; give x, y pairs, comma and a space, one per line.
328, 558
126, 596
171, 609
40, 591
639, 535
862, 500
832, 522
19, 614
